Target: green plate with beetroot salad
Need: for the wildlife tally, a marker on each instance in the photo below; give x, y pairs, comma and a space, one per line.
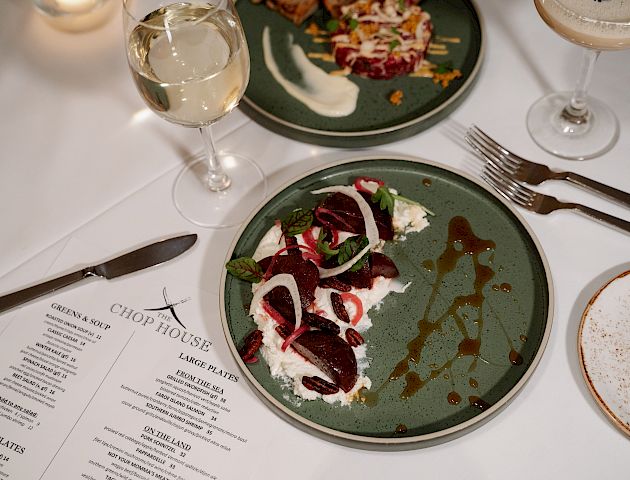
458, 43
453, 349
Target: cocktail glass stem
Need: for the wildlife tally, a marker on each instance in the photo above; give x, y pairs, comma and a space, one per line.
576, 111
217, 179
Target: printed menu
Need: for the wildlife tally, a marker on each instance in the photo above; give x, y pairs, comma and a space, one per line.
124, 379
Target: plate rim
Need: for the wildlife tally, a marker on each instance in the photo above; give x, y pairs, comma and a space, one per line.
332, 134
362, 441
616, 421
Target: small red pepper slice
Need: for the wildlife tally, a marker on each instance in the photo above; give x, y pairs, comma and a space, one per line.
358, 306
358, 184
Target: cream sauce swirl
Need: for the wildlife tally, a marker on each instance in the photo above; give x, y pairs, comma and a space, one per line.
324, 94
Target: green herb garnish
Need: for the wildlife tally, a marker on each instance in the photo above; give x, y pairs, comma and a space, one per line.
350, 248
323, 246
385, 199
353, 23
395, 31
246, 269
296, 222
393, 44
332, 25
444, 67
401, 5
413, 202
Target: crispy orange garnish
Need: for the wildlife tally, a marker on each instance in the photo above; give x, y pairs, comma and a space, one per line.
445, 78
396, 97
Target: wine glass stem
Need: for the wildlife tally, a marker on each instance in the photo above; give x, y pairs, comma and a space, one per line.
217, 178
577, 109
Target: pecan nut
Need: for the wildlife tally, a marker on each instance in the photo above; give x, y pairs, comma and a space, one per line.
319, 385
317, 321
339, 308
251, 344
335, 283
354, 338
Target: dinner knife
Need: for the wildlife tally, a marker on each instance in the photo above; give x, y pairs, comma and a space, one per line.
139, 259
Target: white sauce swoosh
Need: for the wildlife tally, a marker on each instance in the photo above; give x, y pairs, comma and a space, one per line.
324, 94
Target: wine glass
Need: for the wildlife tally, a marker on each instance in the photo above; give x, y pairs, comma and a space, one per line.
574, 125
190, 63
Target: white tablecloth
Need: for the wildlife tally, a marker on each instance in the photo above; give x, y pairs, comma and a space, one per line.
82, 157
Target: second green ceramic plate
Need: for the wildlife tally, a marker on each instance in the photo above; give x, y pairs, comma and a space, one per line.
480, 287
375, 120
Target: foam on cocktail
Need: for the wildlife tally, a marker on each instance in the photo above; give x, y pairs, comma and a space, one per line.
599, 24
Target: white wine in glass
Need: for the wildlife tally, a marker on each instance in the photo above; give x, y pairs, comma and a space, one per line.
190, 63
574, 125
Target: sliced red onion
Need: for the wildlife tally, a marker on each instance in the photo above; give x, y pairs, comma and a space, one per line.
294, 335
280, 280
371, 230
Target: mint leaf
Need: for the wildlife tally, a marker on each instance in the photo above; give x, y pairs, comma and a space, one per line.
393, 44
350, 248
296, 222
353, 23
385, 199
395, 31
332, 25
246, 269
324, 247
401, 5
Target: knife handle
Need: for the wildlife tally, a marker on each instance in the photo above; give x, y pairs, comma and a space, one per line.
611, 192
22, 296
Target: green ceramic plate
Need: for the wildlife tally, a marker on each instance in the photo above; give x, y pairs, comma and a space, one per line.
375, 120
487, 345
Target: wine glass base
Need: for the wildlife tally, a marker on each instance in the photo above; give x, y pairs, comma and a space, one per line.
222, 209
566, 139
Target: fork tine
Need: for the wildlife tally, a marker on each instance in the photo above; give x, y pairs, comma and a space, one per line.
509, 187
489, 139
512, 188
502, 182
492, 154
509, 157
500, 188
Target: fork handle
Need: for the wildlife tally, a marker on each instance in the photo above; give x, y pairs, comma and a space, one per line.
601, 216
610, 192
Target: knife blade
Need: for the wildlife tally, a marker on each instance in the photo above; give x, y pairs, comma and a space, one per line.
145, 257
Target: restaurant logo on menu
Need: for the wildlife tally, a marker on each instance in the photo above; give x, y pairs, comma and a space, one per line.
170, 306
161, 321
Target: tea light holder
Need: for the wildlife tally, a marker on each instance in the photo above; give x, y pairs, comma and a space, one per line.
75, 15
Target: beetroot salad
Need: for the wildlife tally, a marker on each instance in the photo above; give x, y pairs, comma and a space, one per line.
381, 39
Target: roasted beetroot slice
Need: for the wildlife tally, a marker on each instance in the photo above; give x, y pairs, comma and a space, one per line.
346, 215
292, 242
306, 276
317, 321
331, 354
362, 278
280, 300
382, 265
264, 263
305, 273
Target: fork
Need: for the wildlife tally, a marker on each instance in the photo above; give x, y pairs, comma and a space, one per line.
534, 173
539, 202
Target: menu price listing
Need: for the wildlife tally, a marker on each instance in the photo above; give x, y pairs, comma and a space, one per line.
100, 396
